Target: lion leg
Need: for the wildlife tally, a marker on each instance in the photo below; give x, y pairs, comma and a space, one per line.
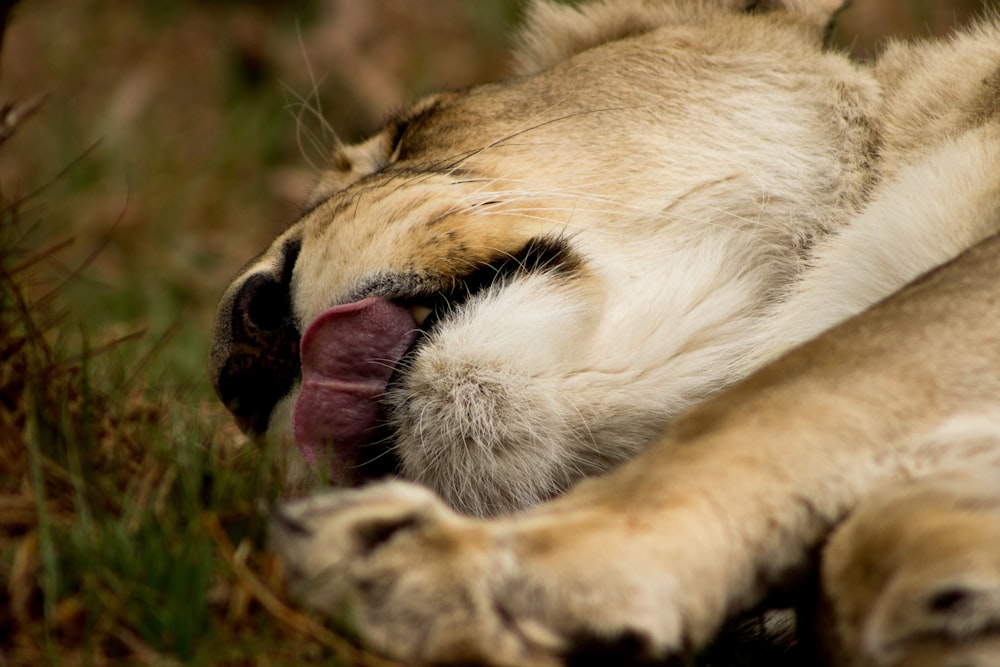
913, 577
423, 584
651, 560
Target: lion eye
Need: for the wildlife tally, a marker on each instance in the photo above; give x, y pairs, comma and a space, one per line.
396, 127
395, 131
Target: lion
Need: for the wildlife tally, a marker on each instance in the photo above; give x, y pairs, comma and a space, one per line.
688, 309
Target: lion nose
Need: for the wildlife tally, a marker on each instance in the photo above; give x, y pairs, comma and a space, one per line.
254, 360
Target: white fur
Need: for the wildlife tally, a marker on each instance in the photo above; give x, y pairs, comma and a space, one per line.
925, 215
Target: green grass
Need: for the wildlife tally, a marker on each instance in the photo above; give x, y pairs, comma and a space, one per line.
166, 155
127, 513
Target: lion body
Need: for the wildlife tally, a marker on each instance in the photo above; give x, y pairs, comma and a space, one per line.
668, 197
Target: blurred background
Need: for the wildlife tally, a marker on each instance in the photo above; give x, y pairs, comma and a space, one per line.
178, 137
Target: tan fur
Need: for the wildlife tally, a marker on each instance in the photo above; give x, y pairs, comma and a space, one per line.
732, 190
687, 236
730, 502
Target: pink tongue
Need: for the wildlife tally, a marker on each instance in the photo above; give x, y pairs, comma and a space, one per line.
348, 355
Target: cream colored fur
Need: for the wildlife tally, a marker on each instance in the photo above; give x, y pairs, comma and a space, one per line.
733, 190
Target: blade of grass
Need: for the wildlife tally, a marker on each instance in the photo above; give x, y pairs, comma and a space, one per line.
49, 578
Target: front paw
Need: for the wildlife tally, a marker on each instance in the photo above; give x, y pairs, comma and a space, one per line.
419, 582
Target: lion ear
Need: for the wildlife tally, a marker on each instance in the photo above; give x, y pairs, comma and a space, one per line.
818, 13
554, 32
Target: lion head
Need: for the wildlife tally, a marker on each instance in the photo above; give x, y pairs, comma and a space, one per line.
517, 285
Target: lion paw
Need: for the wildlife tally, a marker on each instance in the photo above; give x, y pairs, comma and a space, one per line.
419, 582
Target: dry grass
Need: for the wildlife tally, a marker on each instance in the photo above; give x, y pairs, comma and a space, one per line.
114, 542
173, 143
128, 532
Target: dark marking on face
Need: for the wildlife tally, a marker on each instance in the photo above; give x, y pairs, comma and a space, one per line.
445, 294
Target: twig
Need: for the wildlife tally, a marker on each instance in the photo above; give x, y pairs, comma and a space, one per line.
41, 256
141, 651
12, 114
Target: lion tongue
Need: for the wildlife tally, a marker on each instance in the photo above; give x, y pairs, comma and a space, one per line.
348, 355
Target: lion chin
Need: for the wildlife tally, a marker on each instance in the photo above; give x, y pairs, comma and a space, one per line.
736, 290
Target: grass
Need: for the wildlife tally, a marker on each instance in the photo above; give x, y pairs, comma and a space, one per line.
132, 529
169, 150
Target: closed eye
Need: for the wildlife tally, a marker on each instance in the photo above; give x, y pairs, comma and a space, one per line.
396, 127
394, 131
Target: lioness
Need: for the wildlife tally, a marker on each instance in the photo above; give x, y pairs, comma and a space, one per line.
525, 283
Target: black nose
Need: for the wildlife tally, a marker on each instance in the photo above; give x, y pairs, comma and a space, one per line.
255, 345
